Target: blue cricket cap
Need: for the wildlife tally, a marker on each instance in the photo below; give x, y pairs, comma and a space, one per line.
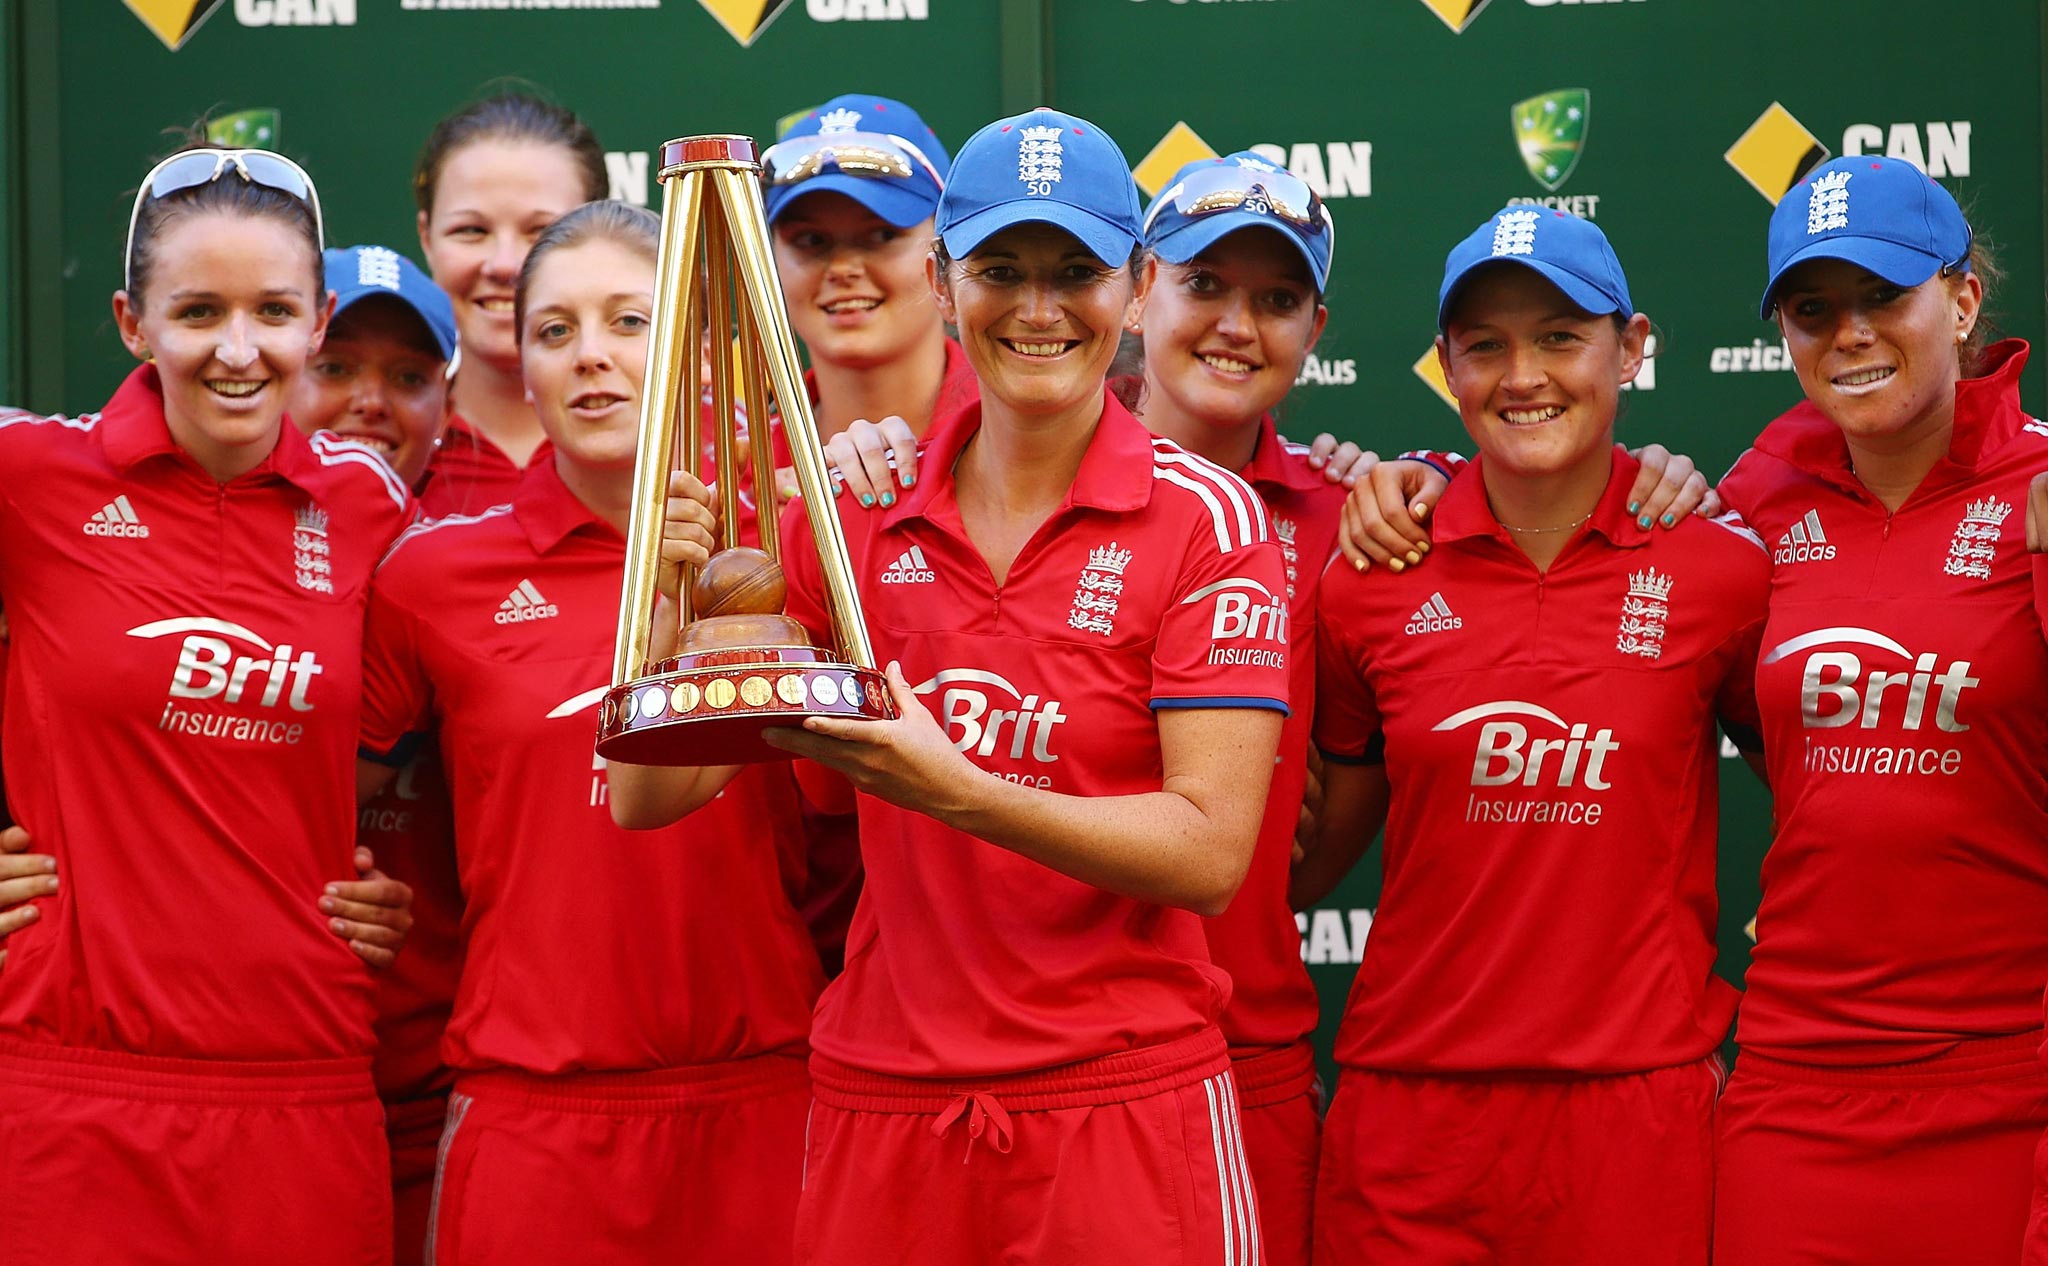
1044, 167
1571, 253
1258, 194
865, 120
1883, 214
355, 273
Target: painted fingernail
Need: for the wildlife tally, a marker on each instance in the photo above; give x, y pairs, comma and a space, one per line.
1644, 521
1423, 546
888, 499
1395, 564
910, 481
867, 499
1360, 564
1634, 506
1670, 519
1414, 557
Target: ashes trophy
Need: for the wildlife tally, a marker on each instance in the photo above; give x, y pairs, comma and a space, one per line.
741, 664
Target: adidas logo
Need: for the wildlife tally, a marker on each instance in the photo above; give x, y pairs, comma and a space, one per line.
116, 518
909, 569
1804, 542
525, 603
1433, 616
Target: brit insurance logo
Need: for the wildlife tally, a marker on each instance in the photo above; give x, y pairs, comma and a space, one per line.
224, 663
1245, 612
176, 21
1859, 679
1526, 745
984, 714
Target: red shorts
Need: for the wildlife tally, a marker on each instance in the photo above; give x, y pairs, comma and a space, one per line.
1281, 1102
1131, 1158
1519, 1171
107, 1158
1900, 1163
699, 1164
413, 1129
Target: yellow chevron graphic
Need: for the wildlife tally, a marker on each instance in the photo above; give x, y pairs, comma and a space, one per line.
1775, 152
1432, 373
1456, 14
172, 21
1179, 147
744, 20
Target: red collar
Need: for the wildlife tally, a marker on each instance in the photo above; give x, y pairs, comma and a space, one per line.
548, 512
132, 430
1275, 464
1115, 474
1988, 413
1463, 511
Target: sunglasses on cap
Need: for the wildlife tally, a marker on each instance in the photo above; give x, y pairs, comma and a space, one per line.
1229, 187
197, 167
876, 155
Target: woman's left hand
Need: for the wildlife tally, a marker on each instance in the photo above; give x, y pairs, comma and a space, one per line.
1668, 488
373, 914
1344, 463
908, 761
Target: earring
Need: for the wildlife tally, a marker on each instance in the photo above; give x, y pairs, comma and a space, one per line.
1962, 336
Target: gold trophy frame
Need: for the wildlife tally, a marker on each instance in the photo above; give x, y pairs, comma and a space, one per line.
709, 703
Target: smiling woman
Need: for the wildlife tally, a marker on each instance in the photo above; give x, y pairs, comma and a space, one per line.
202, 654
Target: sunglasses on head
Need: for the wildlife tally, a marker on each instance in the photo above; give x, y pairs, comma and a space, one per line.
1229, 187
875, 155
195, 167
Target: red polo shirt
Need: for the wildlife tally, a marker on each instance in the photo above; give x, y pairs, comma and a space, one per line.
589, 948
182, 703
1549, 899
1272, 1000
1154, 585
1904, 687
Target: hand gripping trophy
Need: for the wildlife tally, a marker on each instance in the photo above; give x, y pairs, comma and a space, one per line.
742, 665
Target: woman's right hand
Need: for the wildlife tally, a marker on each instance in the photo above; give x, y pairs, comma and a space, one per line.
689, 531
24, 876
1384, 516
862, 452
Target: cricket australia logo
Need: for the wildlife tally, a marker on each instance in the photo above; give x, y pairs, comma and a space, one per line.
1515, 233
1976, 540
1039, 157
1285, 529
1550, 132
1829, 207
1099, 590
1643, 615
311, 565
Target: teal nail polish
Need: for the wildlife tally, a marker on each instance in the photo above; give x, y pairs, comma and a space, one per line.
1644, 521
1634, 506
1669, 520
910, 481
867, 500
888, 499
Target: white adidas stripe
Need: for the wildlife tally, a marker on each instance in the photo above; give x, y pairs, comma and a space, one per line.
425, 526
458, 1108
1233, 1174
1247, 1198
1813, 527
1247, 510
1223, 1180
332, 451
531, 594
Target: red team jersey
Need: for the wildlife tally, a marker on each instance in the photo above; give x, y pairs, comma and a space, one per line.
1272, 1000
1904, 688
469, 474
182, 706
1549, 900
589, 948
1154, 586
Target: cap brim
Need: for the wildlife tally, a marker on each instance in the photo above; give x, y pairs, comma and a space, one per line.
443, 339
902, 203
1576, 288
1900, 265
1107, 242
1200, 233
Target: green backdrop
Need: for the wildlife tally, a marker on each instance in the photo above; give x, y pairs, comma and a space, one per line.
1672, 123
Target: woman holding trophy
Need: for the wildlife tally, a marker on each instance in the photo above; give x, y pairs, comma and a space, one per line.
1099, 621
629, 1054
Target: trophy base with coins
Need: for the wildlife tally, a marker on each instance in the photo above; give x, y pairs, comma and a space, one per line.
741, 665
